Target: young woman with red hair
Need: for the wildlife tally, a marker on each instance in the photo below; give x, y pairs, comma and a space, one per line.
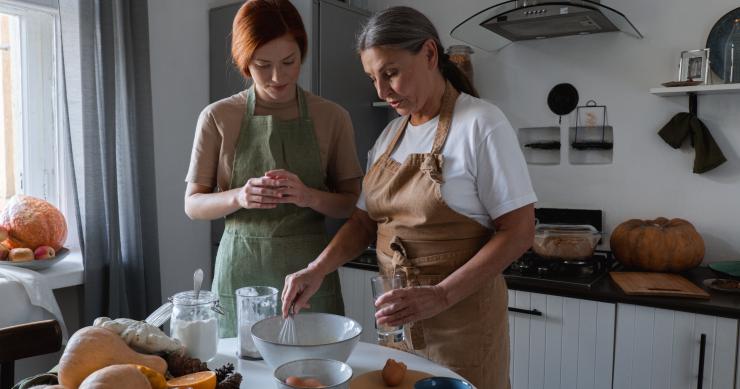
274, 160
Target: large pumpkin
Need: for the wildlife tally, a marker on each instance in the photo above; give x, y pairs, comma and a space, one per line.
32, 222
657, 245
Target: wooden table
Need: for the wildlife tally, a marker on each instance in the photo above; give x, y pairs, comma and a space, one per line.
365, 357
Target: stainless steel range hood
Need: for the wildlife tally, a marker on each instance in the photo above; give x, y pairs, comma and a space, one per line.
496, 27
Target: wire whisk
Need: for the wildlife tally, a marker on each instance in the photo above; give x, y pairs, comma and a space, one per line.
288, 333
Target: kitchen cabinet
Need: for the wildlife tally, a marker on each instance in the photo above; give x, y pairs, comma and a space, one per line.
660, 348
560, 342
358, 300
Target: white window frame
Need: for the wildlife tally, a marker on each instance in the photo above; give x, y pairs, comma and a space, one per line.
41, 150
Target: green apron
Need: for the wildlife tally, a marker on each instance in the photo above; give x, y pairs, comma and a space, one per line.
262, 246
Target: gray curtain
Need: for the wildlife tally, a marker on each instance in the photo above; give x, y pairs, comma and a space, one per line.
109, 134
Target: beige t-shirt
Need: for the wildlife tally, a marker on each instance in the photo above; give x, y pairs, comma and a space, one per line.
218, 130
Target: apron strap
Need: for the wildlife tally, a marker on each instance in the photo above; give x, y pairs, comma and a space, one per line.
251, 102
445, 117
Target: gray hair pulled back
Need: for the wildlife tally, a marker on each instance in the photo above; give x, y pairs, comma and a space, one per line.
407, 29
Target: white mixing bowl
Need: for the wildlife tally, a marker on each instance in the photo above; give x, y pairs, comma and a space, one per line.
319, 335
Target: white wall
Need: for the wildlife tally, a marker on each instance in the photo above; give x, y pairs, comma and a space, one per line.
647, 178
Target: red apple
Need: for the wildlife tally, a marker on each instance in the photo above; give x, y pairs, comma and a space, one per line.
44, 252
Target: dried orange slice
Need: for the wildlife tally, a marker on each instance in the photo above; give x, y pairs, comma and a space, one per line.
199, 380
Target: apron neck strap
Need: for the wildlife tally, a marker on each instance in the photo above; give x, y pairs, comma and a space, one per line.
443, 127
300, 94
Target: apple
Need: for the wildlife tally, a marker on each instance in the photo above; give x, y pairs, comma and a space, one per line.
44, 252
4, 252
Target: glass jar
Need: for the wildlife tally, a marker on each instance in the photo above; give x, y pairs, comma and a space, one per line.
460, 56
731, 67
194, 322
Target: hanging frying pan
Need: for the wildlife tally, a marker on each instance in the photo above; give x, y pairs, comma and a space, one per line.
562, 99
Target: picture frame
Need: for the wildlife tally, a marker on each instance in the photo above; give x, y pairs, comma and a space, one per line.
693, 66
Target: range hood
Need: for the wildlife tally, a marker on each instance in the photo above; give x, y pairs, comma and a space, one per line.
496, 27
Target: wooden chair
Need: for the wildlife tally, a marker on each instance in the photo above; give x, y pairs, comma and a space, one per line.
23, 341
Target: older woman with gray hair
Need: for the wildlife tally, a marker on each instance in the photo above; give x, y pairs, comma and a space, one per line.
447, 199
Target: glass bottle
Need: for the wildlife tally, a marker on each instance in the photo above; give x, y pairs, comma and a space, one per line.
194, 322
460, 56
731, 67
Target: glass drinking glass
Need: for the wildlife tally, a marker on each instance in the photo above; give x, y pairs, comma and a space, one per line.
253, 303
380, 285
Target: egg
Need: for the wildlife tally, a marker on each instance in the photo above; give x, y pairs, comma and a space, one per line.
299, 382
393, 372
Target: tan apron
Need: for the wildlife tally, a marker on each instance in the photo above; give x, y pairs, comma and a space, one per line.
419, 235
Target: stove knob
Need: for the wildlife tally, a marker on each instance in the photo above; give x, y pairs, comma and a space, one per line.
542, 270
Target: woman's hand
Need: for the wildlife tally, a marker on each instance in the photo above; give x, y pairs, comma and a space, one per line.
299, 287
293, 190
260, 193
401, 306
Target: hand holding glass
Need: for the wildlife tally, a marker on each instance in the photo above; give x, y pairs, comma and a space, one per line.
382, 284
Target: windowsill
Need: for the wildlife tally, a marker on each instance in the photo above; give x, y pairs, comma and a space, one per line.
67, 272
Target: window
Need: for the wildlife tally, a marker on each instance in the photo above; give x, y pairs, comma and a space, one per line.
32, 156
29, 131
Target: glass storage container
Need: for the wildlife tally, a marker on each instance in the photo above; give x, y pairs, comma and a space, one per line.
460, 56
565, 242
194, 322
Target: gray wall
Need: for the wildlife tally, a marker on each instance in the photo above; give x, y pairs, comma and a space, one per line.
179, 69
647, 178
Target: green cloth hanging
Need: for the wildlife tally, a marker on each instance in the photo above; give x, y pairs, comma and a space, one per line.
707, 153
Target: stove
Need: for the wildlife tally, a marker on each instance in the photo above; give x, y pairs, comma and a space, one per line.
580, 274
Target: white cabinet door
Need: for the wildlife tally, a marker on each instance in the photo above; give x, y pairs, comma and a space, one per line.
560, 342
358, 300
661, 349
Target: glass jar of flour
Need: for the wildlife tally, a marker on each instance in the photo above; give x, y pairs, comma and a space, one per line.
194, 322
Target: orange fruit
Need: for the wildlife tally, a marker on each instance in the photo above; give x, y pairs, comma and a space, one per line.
199, 380
156, 379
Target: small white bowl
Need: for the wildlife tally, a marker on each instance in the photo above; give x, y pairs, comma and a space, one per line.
333, 374
319, 335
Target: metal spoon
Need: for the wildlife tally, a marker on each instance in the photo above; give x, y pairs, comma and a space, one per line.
197, 281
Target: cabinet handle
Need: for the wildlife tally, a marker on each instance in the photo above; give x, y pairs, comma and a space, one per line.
532, 312
702, 350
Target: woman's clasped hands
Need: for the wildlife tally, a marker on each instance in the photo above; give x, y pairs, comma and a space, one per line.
275, 187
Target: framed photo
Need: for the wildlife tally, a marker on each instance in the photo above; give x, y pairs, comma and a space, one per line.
694, 66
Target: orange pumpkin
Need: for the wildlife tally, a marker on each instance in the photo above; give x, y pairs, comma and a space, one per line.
657, 245
33, 222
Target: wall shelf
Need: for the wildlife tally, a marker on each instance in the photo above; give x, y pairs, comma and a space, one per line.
698, 89
694, 91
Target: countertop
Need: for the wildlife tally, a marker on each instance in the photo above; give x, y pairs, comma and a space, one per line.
366, 357
720, 304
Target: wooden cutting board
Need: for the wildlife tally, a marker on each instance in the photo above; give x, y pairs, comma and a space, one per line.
657, 284
373, 380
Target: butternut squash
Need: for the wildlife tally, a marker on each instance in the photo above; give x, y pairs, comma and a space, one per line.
91, 349
118, 377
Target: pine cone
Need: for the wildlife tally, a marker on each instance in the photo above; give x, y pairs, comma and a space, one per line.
231, 382
224, 371
179, 364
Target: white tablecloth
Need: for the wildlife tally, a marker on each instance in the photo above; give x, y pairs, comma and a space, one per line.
366, 357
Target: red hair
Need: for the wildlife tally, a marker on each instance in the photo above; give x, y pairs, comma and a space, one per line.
260, 21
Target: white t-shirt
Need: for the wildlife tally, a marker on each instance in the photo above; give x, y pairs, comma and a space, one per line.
484, 172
